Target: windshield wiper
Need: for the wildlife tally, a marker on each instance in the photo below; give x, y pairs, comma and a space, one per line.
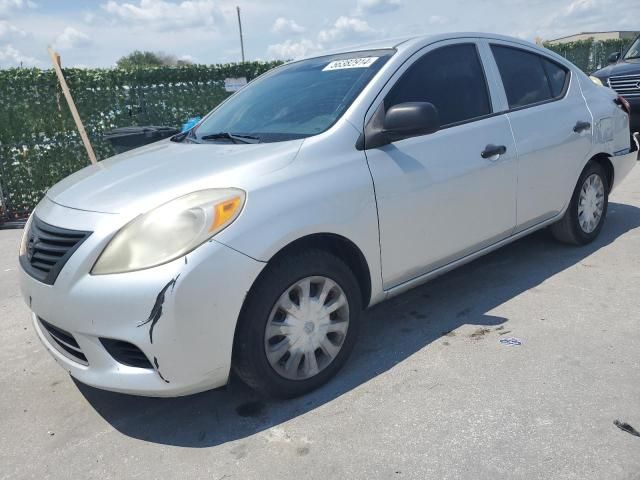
230, 136
633, 57
179, 137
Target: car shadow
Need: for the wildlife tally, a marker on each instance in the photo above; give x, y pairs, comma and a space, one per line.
392, 331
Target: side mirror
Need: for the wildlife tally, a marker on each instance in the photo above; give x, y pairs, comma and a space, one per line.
410, 119
404, 120
614, 57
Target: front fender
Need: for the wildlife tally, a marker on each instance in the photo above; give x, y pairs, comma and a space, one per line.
328, 189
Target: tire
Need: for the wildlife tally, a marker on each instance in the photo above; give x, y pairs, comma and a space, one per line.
570, 228
286, 279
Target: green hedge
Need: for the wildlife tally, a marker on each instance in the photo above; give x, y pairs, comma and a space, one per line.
589, 55
39, 143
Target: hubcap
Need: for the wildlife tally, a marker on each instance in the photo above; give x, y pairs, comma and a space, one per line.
307, 328
591, 203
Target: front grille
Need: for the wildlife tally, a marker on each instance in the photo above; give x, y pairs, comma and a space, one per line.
48, 250
65, 342
626, 85
126, 353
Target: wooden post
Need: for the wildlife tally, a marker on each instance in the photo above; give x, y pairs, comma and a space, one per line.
55, 58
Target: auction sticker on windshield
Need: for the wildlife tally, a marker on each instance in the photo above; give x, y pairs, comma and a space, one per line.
361, 62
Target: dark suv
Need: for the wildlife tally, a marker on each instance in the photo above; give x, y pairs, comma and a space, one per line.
623, 75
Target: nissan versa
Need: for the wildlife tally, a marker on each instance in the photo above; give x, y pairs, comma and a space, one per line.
254, 241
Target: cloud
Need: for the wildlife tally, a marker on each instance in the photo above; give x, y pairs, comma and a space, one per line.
9, 31
286, 25
438, 20
377, 6
293, 49
11, 57
6, 6
188, 58
577, 7
591, 15
89, 17
71, 38
161, 14
345, 28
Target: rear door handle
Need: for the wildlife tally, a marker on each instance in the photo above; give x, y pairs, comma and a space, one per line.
581, 127
493, 150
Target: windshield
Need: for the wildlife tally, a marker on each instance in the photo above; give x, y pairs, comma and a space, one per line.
634, 50
294, 101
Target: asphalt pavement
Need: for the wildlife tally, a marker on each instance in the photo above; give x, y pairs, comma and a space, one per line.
431, 391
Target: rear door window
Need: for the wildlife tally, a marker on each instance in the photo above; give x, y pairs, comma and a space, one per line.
529, 78
557, 76
451, 78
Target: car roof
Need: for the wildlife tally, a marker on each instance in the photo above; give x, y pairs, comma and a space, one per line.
417, 41
410, 44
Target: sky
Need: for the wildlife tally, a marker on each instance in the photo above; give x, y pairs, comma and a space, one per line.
95, 33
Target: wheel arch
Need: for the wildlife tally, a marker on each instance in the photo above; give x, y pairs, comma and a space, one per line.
601, 158
340, 246
336, 244
605, 161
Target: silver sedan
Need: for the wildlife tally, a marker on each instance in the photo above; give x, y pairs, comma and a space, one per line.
254, 241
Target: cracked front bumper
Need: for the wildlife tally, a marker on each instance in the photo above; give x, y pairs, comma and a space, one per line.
188, 341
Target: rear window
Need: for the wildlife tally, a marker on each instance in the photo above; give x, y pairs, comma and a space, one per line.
529, 78
557, 76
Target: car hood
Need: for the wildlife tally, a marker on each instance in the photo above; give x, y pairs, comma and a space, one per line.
625, 67
149, 176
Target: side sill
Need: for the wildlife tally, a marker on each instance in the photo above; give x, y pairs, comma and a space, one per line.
409, 284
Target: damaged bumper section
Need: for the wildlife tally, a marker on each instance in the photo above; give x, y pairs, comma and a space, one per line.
164, 331
624, 161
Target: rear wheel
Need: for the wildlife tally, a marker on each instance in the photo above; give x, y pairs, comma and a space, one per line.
587, 211
299, 324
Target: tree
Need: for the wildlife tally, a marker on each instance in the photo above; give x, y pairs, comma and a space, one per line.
138, 59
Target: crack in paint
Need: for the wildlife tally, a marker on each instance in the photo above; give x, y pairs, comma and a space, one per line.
175, 280
155, 362
156, 310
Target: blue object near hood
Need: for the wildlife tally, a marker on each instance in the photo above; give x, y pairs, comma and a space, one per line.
190, 123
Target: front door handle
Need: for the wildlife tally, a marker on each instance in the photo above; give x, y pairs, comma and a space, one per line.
493, 151
581, 127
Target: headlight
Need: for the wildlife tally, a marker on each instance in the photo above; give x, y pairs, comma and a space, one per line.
170, 230
25, 236
596, 80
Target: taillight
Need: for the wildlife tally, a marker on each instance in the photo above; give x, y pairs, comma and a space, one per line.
624, 104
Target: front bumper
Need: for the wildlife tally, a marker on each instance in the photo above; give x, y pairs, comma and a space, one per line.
634, 120
188, 344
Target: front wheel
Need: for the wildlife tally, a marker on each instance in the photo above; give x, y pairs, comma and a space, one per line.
587, 210
299, 324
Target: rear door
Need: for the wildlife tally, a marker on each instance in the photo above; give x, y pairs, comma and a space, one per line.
551, 126
438, 198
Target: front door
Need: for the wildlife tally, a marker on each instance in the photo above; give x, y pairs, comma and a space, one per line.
438, 198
